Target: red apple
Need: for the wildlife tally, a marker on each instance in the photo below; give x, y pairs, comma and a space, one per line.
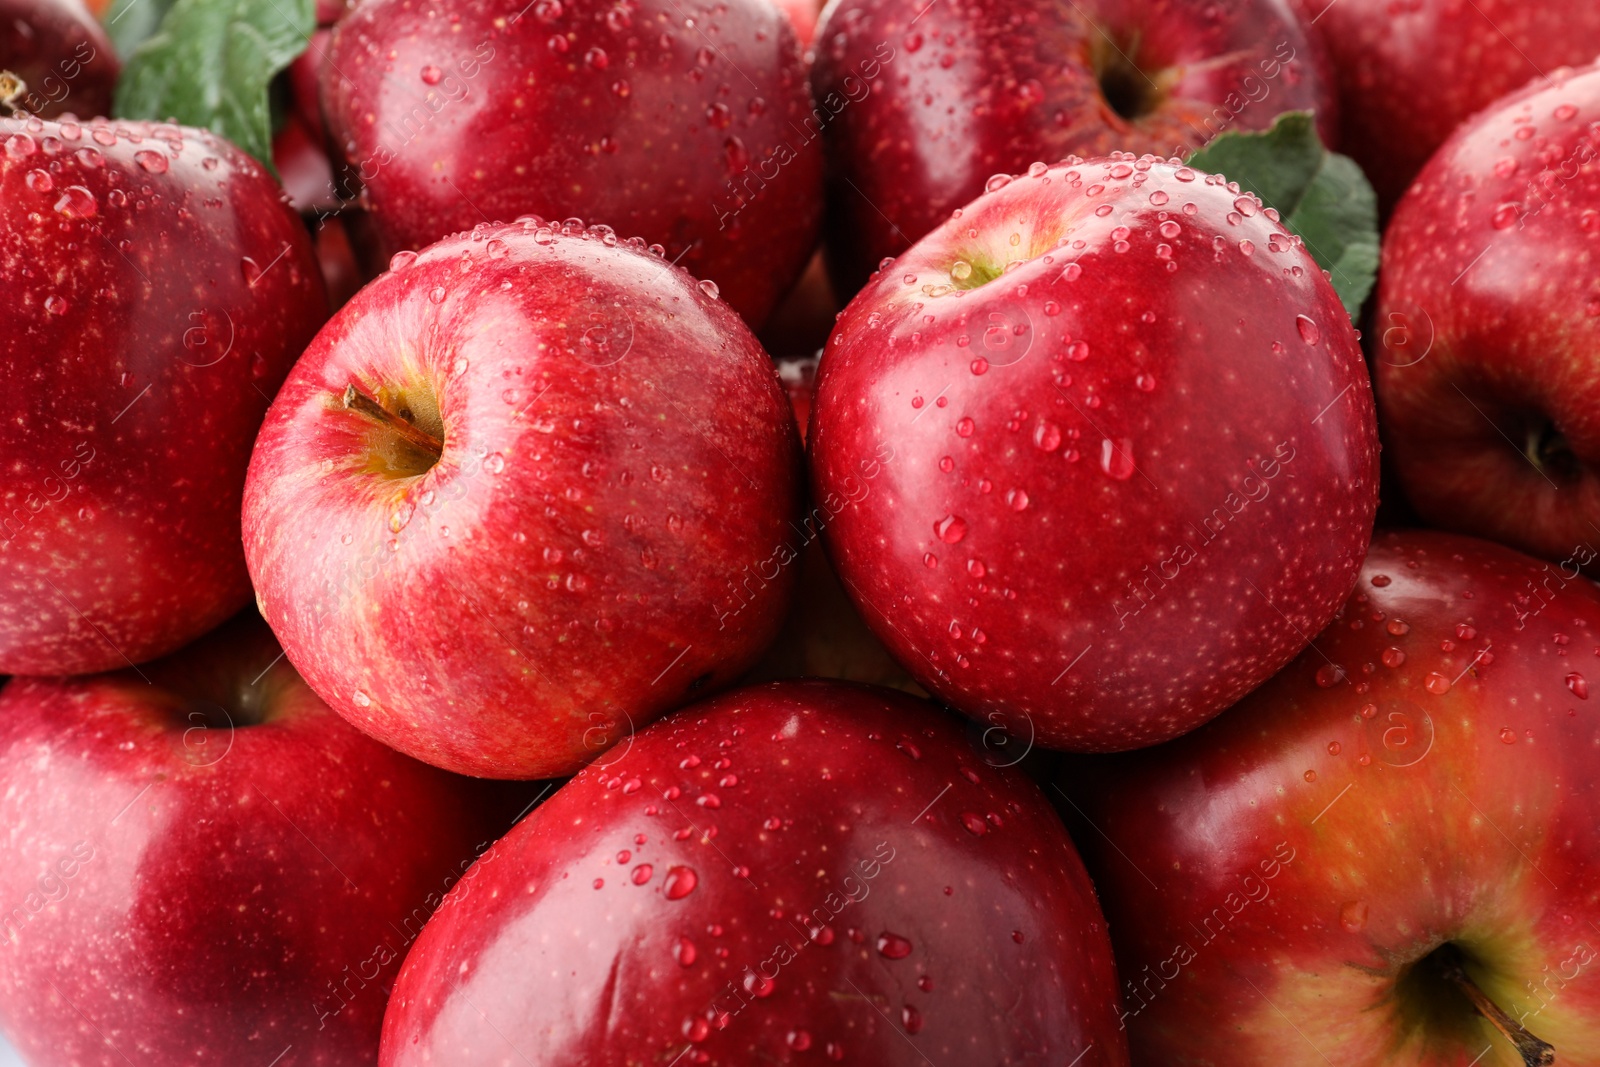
205, 864
925, 101
1099, 454
803, 16
526, 489
684, 123
794, 873
1409, 72
64, 60
303, 168
159, 290
1403, 815
1488, 321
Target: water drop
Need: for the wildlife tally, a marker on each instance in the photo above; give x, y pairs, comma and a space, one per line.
964, 427
361, 699
1579, 685
1309, 333
152, 161
1329, 675
1353, 916
893, 946
951, 529
974, 823
1508, 735
1017, 499
642, 873
437, 294
55, 305
681, 882
76, 202
1047, 437
1116, 458
1437, 684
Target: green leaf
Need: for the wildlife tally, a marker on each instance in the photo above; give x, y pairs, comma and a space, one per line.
129, 22
1322, 196
210, 64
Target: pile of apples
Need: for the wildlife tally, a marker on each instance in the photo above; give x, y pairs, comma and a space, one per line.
453, 617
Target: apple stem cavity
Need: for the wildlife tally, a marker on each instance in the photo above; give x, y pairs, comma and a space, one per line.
356, 400
1534, 1052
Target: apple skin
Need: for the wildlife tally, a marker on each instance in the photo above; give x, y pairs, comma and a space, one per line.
1450, 797
1410, 71
664, 885
961, 92
1041, 540
61, 54
139, 358
1488, 319
630, 115
196, 859
619, 464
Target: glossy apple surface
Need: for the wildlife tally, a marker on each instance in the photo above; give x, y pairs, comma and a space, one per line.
159, 290
595, 536
682, 123
795, 873
1418, 788
1488, 319
1099, 455
206, 864
64, 59
925, 102
1408, 73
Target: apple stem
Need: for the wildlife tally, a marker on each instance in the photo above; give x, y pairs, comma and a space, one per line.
1534, 1052
356, 400
11, 87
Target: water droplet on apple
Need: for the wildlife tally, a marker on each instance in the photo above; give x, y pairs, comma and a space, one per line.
709, 288
1017, 499
1116, 458
1310, 776
998, 181
1437, 684
20, 146
974, 823
152, 161
1504, 216
964, 427
401, 260
76, 202
893, 946
1246, 205
641, 874
1309, 333
1353, 916
55, 305
1047, 437
1146, 382
1078, 351
951, 529
1071, 272
1334, 748
1579, 685
361, 699
1329, 675
680, 882
1508, 736
1392, 657
1381, 580
495, 463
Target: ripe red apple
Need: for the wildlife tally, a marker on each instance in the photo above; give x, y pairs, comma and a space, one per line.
686, 123
529, 488
789, 873
63, 58
1404, 815
1488, 321
925, 102
1099, 454
1409, 72
159, 290
205, 864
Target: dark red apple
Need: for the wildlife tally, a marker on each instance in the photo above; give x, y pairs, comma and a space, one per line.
158, 291
1409, 72
1099, 454
1400, 821
788, 874
924, 102
1488, 322
529, 488
62, 57
206, 864
684, 123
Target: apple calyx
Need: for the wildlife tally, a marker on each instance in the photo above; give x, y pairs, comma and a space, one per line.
356, 400
1534, 1052
1129, 90
1546, 447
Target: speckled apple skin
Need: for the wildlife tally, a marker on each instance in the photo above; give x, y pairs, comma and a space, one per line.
1392, 815
1488, 324
966, 91
595, 546
179, 893
1410, 71
1041, 542
138, 360
685, 122
720, 890
61, 54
